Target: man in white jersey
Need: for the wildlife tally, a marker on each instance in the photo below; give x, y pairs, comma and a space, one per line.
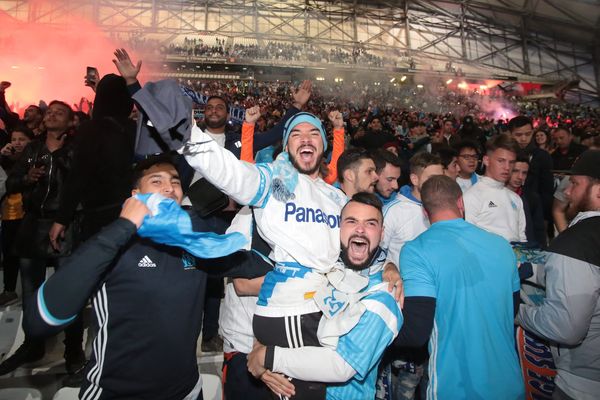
297, 214
404, 220
356, 172
467, 159
349, 364
489, 204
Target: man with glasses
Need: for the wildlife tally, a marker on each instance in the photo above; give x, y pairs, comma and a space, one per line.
467, 159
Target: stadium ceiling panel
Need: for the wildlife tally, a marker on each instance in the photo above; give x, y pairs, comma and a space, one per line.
574, 20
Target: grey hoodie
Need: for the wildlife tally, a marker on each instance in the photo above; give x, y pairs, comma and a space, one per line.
570, 314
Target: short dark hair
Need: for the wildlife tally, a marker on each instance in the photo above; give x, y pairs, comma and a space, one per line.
502, 141
422, 160
71, 113
466, 144
440, 192
563, 128
142, 166
24, 130
39, 110
381, 157
350, 159
368, 199
522, 157
223, 99
446, 155
518, 121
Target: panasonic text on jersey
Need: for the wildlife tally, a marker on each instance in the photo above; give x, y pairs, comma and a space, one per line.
307, 214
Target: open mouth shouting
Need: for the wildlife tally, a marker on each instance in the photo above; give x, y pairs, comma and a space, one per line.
358, 248
306, 153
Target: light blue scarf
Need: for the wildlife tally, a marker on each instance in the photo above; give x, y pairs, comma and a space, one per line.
169, 224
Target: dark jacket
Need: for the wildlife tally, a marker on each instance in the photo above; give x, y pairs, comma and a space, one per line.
540, 179
42, 198
563, 162
148, 300
103, 156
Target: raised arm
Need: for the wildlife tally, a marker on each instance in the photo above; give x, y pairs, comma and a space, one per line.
338, 145
247, 150
66, 292
246, 183
300, 97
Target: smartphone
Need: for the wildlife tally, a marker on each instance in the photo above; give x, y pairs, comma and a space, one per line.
91, 75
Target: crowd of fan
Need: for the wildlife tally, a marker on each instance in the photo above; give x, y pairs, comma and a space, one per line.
398, 106
404, 119
278, 51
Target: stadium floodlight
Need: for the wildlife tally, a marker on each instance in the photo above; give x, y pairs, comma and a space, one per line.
392, 80
403, 78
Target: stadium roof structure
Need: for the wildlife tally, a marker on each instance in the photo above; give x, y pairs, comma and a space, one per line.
573, 20
543, 40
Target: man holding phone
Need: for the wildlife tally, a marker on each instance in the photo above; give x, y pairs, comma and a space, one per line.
92, 76
39, 175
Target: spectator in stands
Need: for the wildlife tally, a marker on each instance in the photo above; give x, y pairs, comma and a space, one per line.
488, 203
539, 178
375, 136
449, 271
103, 155
449, 158
567, 150
467, 159
532, 207
403, 221
470, 131
350, 367
448, 135
9, 117
39, 175
542, 140
33, 117
12, 214
569, 316
388, 169
143, 292
356, 172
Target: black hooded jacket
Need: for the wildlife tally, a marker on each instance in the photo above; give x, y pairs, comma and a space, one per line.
101, 178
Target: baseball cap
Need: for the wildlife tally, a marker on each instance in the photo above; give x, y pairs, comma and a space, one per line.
588, 164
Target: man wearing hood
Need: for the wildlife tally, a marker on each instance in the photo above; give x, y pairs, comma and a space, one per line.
102, 164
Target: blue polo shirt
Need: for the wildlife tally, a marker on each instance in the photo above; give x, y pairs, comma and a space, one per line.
472, 274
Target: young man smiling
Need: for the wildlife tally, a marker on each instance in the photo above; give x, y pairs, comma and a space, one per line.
297, 214
142, 292
349, 366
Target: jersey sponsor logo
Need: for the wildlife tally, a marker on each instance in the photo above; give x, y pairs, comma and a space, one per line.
491, 204
146, 262
307, 214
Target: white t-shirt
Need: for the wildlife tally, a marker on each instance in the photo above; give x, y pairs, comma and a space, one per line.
403, 220
495, 208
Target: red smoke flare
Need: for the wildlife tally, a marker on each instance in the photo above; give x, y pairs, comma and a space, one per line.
47, 62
